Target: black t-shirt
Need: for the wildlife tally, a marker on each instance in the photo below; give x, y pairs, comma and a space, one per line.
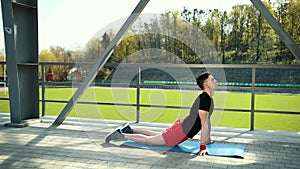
192, 124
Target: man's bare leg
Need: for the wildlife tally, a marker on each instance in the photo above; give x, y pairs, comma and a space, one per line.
150, 140
146, 132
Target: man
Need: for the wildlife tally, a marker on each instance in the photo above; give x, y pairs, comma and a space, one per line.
182, 129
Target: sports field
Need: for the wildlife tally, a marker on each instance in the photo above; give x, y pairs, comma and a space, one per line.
284, 102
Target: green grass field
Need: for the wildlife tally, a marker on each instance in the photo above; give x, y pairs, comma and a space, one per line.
264, 121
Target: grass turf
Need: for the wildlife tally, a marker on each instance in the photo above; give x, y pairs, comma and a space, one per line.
283, 102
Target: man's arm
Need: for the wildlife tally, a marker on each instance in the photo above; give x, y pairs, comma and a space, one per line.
205, 132
205, 127
209, 130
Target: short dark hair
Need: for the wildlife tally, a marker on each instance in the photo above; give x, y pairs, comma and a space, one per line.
201, 78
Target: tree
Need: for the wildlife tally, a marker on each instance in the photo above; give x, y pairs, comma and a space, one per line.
223, 24
212, 29
165, 22
47, 56
266, 39
293, 25
105, 40
239, 36
92, 51
61, 55
2, 59
125, 48
237, 18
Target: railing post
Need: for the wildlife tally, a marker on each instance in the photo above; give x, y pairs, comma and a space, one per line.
138, 94
43, 91
5, 81
252, 99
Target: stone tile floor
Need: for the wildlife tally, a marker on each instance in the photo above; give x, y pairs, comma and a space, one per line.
78, 143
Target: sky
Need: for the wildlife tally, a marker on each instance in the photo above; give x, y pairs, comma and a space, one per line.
71, 23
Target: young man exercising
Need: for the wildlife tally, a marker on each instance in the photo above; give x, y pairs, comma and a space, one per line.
182, 129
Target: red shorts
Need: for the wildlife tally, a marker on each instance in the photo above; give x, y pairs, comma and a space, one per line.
174, 134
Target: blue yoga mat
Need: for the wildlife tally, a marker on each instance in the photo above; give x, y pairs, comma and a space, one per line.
215, 149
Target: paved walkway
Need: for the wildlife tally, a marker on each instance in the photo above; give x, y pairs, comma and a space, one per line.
79, 144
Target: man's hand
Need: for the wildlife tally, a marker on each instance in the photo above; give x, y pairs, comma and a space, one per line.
202, 151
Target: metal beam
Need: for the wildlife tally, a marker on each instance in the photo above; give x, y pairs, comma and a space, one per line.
20, 32
283, 35
100, 63
252, 99
12, 69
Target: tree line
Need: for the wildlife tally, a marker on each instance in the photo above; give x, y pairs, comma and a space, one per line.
239, 36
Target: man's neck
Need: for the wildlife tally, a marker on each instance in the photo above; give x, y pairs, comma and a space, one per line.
209, 92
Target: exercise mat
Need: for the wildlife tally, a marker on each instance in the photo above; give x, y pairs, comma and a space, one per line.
215, 149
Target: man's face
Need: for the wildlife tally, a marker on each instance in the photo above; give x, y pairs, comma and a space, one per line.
211, 82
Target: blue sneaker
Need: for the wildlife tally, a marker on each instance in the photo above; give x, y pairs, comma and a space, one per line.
126, 128
115, 135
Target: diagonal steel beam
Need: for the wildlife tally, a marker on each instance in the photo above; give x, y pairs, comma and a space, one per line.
12, 68
283, 35
100, 63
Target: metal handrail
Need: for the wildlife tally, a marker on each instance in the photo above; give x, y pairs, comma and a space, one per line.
138, 86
